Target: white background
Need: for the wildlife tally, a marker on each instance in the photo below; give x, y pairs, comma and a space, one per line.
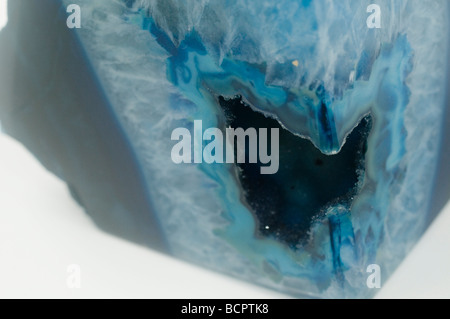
3, 14
43, 231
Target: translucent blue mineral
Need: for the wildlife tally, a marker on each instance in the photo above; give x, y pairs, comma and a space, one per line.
361, 110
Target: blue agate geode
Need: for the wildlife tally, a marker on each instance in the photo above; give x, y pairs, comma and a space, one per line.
362, 114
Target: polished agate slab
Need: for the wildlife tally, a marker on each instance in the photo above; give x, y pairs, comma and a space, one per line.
361, 110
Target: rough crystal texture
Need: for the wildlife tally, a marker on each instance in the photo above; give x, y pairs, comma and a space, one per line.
360, 108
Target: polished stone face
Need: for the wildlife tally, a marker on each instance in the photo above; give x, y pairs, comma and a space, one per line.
357, 92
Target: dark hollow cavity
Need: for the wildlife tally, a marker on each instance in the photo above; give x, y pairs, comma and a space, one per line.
307, 181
